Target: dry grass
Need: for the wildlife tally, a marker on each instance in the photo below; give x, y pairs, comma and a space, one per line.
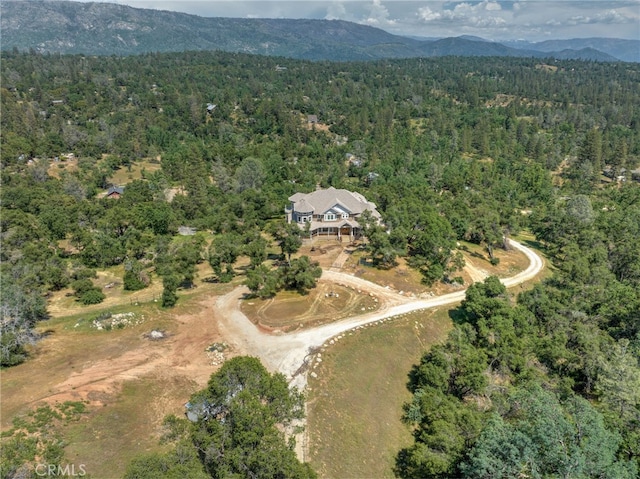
65, 164
400, 278
406, 279
355, 403
120, 373
122, 176
110, 281
108, 438
289, 310
511, 261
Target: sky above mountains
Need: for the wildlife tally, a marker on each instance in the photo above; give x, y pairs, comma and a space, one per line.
494, 20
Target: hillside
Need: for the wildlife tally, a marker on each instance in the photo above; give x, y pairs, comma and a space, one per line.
108, 29
105, 29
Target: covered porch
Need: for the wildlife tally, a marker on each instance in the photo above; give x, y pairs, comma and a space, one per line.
341, 230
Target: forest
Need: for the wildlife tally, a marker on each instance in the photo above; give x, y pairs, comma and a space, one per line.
545, 384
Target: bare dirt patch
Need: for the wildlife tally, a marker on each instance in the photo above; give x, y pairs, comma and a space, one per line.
129, 382
66, 163
324, 252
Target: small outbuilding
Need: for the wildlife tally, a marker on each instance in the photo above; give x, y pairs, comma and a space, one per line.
115, 192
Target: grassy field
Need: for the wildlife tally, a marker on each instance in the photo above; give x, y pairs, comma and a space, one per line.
124, 175
355, 403
110, 437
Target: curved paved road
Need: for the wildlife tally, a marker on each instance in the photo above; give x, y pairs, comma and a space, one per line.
286, 353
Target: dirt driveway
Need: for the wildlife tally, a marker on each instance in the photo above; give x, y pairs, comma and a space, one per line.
286, 353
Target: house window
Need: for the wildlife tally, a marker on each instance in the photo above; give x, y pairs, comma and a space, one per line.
330, 217
345, 216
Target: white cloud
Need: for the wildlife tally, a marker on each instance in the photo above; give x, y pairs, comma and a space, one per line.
428, 15
613, 17
378, 15
480, 15
336, 11
533, 19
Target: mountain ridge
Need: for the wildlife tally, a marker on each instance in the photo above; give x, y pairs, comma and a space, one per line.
108, 28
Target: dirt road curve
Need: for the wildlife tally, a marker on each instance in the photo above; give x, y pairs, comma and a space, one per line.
286, 353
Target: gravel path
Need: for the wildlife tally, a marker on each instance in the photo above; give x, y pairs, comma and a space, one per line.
286, 353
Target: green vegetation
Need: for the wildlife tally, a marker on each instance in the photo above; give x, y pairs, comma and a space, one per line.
449, 150
549, 385
236, 429
452, 151
35, 441
355, 402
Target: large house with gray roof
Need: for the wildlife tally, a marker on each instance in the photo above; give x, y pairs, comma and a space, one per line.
329, 212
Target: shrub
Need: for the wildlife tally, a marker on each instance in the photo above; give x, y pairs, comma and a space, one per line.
132, 281
84, 273
81, 286
92, 296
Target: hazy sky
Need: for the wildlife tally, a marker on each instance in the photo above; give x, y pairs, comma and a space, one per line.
495, 20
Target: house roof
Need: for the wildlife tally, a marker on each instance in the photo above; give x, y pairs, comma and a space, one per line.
115, 189
321, 201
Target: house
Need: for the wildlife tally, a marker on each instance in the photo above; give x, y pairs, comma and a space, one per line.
331, 212
115, 192
312, 119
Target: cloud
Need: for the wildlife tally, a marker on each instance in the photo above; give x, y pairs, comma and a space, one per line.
533, 19
336, 11
378, 15
484, 14
610, 17
427, 15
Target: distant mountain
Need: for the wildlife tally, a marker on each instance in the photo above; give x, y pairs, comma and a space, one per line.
463, 46
473, 38
625, 50
108, 29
